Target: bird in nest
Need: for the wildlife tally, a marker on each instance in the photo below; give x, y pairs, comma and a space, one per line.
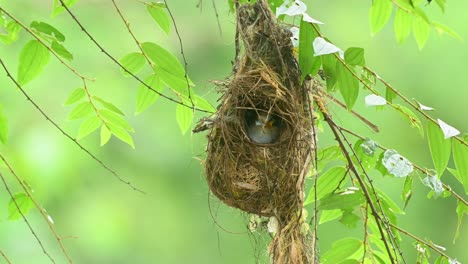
262, 127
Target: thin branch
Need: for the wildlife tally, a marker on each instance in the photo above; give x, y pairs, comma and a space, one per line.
41, 210
395, 245
417, 167
127, 25
430, 245
372, 90
65, 133
10, 193
5, 257
217, 17
413, 105
46, 46
101, 48
366, 234
356, 114
181, 52
374, 211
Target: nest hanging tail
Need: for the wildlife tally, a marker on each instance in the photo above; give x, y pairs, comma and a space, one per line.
260, 144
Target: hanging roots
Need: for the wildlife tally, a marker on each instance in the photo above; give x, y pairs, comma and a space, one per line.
265, 179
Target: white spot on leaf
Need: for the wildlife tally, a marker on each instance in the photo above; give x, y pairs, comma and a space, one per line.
434, 183
295, 36
449, 131
296, 8
424, 107
374, 100
309, 19
323, 47
396, 164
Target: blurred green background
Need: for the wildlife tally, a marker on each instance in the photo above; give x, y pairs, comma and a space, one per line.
104, 221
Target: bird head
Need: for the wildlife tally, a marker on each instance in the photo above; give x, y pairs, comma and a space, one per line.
265, 120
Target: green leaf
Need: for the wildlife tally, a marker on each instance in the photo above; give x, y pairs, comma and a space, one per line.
439, 147
163, 59
411, 117
58, 8
81, 110
326, 183
441, 260
460, 158
440, 28
202, 103
402, 25
418, 12
133, 62
114, 119
23, 202
461, 210
3, 127
365, 150
307, 62
33, 58
341, 250
146, 97
89, 126
12, 28
184, 117
404, 4
355, 56
75, 96
380, 13
108, 105
407, 190
346, 200
348, 85
159, 14
329, 62
61, 51
105, 135
121, 134
47, 29
171, 72
441, 4
349, 219
329, 215
177, 84
421, 31
389, 95
388, 203
325, 155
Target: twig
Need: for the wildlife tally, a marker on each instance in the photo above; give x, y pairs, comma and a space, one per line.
46, 46
366, 234
357, 115
41, 210
430, 245
217, 17
417, 167
413, 105
10, 193
374, 211
5, 257
182, 53
65, 133
372, 90
101, 48
127, 25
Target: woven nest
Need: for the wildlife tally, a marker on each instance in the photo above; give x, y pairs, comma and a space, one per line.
263, 179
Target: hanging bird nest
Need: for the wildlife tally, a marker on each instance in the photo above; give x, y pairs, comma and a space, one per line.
264, 178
